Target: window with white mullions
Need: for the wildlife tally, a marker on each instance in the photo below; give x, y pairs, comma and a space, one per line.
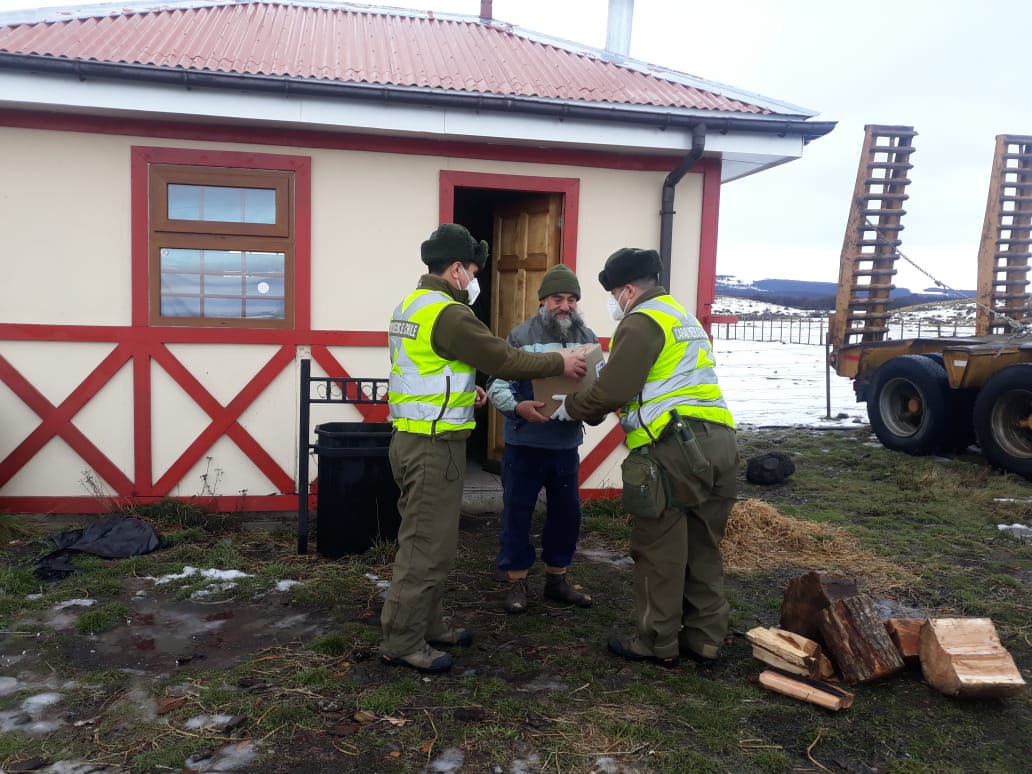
222, 246
229, 284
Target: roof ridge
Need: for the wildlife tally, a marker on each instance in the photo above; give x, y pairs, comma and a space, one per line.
113, 8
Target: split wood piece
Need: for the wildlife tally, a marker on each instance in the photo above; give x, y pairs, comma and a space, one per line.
807, 595
823, 695
963, 657
857, 641
905, 634
790, 652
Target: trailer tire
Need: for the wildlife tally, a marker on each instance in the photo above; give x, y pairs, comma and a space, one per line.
909, 405
961, 407
1003, 410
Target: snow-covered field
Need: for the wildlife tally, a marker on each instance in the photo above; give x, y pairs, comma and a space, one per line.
776, 384
772, 384
947, 318
784, 385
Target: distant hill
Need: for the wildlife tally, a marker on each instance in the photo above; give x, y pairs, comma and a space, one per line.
805, 294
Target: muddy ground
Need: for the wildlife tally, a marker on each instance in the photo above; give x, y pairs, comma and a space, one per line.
279, 682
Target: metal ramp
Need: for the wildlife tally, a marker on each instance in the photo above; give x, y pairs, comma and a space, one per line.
871, 242
1003, 255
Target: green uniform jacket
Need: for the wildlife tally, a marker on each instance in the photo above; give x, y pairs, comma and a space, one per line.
636, 345
459, 335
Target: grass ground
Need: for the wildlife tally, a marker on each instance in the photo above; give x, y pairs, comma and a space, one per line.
538, 692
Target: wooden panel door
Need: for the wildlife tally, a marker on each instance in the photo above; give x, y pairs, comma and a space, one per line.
527, 241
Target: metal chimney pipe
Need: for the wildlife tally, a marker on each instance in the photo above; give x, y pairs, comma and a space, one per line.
486, 12
618, 31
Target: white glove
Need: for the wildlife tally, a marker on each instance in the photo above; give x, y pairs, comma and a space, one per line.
561, 413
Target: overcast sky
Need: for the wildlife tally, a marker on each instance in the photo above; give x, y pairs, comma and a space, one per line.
955, 70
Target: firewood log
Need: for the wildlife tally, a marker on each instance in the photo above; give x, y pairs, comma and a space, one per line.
807, 595
790, 652
905, 634
857, 641
963, 657
813, 691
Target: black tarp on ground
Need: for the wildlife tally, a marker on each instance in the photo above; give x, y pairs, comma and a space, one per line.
116, 537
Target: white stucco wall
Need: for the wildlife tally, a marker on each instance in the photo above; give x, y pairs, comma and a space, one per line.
64, 211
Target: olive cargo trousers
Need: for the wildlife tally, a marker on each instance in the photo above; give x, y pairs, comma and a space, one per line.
430, 474
678, 570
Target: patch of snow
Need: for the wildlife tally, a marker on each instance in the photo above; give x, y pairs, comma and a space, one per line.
80, 767
606, 557
189, 572
212, 590
283, 585
232, 757
1019, 532
527, 766
28, 718
74, 603
450, 760
207, 721
36, 704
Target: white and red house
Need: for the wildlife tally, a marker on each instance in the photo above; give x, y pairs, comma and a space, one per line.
197, 196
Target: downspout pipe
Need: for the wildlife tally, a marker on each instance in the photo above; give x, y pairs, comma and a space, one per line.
666, 210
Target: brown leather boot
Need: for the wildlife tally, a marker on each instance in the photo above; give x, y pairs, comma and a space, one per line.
516, 599
558, 589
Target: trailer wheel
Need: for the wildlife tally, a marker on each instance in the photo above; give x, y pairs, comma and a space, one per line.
1003, 419
909, 405
960, 433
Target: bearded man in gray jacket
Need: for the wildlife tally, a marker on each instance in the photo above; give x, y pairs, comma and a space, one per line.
541, 453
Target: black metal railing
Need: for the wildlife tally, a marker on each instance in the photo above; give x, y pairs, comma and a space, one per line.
326, 389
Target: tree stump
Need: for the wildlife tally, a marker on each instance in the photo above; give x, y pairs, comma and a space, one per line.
807, 595
857, 641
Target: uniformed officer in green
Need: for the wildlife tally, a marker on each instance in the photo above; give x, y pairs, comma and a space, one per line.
437, 345
660, 366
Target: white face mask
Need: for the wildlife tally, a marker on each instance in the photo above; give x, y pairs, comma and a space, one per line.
615, 310
472, 288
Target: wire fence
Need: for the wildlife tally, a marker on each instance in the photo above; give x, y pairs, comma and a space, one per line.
813, 330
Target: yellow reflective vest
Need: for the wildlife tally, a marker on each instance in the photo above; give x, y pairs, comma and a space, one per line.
427, 394
682, 378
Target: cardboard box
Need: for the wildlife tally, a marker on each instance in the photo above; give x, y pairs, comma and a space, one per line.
545, 388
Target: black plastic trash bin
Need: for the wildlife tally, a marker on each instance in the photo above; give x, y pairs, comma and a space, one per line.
357, 501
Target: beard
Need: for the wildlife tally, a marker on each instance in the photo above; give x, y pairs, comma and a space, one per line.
561, 325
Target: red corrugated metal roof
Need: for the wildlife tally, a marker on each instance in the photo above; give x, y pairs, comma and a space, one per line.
352, 44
